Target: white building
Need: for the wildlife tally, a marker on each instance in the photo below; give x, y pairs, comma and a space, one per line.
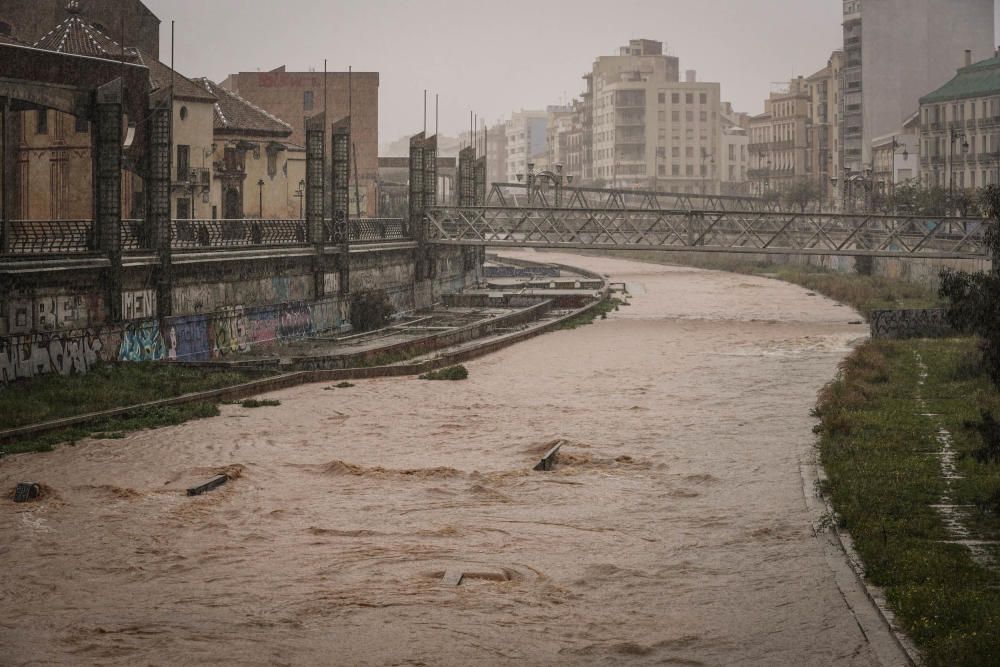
526, 138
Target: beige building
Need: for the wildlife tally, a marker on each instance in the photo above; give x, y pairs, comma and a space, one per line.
525, 134
651, 129
779, 140
823, 147
294, 96
896, 156
557, 135
734, 154
256, 172
960, 128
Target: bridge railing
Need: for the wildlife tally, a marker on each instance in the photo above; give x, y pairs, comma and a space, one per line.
50, 237
194, 234
516, 195
368, 230
713, 231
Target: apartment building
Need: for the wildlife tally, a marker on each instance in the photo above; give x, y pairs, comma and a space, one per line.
960, 128
650, 128
779, 139
734, 154
895, 50
525, 134
823, 145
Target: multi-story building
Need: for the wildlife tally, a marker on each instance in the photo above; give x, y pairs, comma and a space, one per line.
823, 145
496, 154
896, 156
960, 128
557, 134
31, 20
894, 50
734, 155
649, 128
779, 139
294, 96
526, 138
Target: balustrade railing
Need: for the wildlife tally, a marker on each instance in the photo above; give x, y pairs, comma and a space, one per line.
69, 237
50, 237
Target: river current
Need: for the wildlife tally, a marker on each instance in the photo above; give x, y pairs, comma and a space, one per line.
674, 530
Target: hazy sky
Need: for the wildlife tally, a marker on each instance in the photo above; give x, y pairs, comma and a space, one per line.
495, 57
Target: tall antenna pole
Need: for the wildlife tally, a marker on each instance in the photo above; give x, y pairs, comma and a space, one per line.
437, 101
425, 112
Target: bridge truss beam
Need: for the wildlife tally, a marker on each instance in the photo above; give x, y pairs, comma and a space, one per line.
710, 231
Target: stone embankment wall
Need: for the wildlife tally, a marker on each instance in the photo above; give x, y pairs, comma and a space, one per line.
58, 322
919, 323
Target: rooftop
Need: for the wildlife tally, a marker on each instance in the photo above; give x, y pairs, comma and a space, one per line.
235, 115
977, 80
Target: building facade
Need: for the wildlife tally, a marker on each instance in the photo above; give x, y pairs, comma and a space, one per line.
896, 50
779, 140
526, 139
734, 151
824, 129
960, 129
294, 96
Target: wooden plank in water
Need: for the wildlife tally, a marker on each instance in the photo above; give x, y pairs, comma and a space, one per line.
549, 460
208, 486
452, 577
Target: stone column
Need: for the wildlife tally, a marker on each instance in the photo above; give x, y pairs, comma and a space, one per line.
108, 188
156, 229
315, 195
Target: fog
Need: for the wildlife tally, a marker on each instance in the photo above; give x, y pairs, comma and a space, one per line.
492, 58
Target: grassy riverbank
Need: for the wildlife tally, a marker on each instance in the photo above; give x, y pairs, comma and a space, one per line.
863, 293
51, 397
880, 442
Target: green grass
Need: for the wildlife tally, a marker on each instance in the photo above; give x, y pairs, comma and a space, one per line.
115, 428
863, 293
451, 373
877, 449
105, 387
601, 310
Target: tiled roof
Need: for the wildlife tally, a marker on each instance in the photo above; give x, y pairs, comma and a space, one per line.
77, 37
160, 76
977, 80
238, 116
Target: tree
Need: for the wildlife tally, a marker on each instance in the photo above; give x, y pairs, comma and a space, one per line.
974, 298
801, 193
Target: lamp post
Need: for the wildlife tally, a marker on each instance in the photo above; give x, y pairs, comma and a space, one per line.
260, 199
301, 193
892, 165
557, 178
705, 155
192, 177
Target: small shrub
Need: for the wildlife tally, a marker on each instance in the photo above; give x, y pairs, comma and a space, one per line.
370, 310
450, 373
989, 432
344, 385
260, 403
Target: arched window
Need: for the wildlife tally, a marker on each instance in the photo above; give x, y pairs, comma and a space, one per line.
6, 28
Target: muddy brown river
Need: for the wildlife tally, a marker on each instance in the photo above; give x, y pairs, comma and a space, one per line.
675, 529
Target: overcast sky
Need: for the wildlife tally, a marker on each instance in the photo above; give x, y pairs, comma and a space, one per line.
492, 58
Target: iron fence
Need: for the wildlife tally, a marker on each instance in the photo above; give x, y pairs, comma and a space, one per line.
50, 237
196, 234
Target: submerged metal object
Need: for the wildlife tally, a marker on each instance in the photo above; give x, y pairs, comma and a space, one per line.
26, 491
208, 486
549, 460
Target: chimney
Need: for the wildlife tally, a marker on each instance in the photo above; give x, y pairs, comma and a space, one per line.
968, 57
691, 76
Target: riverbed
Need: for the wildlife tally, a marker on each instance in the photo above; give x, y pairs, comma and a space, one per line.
673, 530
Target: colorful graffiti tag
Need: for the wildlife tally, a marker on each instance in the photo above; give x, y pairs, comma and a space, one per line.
64, 353
142, 342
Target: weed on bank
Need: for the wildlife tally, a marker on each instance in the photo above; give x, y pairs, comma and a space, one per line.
880, 439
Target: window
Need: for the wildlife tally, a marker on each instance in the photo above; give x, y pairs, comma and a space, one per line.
689, 98
272, 163
676, 98
42, 121
675, 151
308, 100
689, 116
183, 163
689, 170
689, 151
675, 170
662, 98
675, 116
703, 99
703, 116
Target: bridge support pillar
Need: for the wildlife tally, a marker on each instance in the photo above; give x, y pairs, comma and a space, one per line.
315, 195
416, 213
157, 232
479, 180
341, 197
466, 177
108, 188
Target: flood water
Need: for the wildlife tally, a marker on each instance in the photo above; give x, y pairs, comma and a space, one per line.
674, 531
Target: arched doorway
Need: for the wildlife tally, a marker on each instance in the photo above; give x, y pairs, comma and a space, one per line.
232, 205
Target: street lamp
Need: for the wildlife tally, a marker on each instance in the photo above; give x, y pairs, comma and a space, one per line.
260, 199
301, 193
192, 177
705, 155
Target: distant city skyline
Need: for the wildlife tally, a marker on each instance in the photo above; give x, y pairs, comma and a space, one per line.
493, 60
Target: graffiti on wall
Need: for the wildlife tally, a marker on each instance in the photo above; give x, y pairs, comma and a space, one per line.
229, 331
25, 356
142, 341
139, 304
